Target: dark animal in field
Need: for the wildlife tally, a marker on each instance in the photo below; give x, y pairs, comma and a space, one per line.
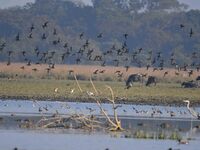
190, 84
151, 80
198, 78
133, 78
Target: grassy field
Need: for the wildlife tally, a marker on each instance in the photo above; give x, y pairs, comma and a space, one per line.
164, 93
29, 84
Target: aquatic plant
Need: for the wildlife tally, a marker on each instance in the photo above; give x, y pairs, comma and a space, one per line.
175, 136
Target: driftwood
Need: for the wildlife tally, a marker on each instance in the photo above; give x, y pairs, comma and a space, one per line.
116, 124
86, 121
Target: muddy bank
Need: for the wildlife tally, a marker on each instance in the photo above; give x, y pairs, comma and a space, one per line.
164, 101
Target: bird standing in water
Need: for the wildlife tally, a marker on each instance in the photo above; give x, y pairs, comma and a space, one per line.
194, 113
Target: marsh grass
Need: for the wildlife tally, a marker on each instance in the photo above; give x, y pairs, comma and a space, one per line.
84, 72
44, 89
142, 134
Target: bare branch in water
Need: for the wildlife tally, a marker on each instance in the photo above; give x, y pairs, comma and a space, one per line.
86, 121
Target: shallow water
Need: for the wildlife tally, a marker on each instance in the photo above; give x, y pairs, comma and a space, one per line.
32, 140
30, 107
133, 118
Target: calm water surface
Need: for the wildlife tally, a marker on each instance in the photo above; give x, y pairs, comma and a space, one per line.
34, 140
133, 117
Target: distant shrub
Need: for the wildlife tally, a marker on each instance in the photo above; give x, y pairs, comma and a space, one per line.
108, 79
70, 77
82, 77
4, 75
79, 77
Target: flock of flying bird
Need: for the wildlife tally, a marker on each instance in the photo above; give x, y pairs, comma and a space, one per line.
115, 55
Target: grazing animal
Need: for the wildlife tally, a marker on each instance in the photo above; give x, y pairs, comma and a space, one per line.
151, 80
189, 84
198, 78
133, 78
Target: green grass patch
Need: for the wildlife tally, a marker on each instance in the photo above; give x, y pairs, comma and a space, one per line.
44, 89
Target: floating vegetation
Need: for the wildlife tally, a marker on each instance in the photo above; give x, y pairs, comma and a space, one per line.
141, 134
161, 135
175, 136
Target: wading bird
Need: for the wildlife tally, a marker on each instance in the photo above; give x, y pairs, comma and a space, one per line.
194, 113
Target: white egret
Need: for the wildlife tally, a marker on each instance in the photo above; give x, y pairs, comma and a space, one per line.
194, 113
72, 91
90, 93
56, 90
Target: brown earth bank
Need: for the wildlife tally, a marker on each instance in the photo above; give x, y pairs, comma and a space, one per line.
162, 101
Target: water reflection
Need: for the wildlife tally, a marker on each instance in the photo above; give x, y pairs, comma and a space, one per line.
96, 141
137, 120
49, 107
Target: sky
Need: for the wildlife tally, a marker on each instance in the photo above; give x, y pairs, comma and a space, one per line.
193, 4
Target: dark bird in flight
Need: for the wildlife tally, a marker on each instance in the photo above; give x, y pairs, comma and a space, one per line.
127, 67
182, 26
165, 73
44, 36
147, 67
81, 35
34, 69
54, 31
139, 50
8, 62
71, 71
17, 37
3, 44
191, 32
102, 71
32, 27
28, 63
96, 71
48, 70
9, 53
45, 24
23, 53
30, 36
65, 45
100, 35
22, 67
103, 64
125, 35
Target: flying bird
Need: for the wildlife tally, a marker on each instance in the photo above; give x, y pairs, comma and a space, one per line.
182, 26
17, 37
100, 35
191, 32
45, 24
